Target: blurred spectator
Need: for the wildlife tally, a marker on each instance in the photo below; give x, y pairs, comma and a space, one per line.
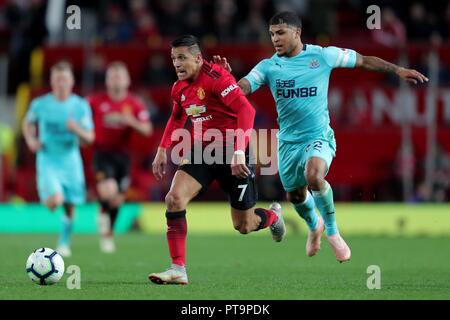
254, 29
194, 21
28, 31
443, 70
117, 27
158, 72
97, 68
147, 32
322, 15
224, 20
138, 7
298, 6
418, 25
392, 33
172, 17
444, 26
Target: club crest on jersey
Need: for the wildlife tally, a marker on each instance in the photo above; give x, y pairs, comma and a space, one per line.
314, 64
126, 108
183, 97
195, 110
201, 93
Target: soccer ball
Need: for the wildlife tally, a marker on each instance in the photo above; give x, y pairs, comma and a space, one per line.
45, 266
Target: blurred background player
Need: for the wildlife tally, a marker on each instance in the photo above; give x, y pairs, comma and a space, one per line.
211, 98
64, 120
117, 113
298, 76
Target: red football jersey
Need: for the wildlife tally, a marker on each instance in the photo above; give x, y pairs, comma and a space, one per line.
109, 134
209, 99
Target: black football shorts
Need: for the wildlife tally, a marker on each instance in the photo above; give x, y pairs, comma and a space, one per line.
242, 193
115, 165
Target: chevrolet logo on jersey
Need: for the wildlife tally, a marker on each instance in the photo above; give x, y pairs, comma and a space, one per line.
195, 110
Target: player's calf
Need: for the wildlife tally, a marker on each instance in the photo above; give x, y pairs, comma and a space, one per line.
247, 223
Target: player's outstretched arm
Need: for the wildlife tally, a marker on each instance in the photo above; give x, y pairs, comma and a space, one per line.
377, 64
244, 84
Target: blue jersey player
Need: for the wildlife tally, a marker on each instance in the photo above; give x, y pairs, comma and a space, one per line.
63, 120
298, 76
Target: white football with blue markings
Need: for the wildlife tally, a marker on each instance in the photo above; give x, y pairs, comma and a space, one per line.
45, 266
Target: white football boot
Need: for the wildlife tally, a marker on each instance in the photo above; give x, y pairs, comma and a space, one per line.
278, 228
174, 275
64, 251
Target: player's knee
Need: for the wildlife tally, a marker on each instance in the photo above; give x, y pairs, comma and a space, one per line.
107, 189
53, 202
296, 197
315, 179
175, 202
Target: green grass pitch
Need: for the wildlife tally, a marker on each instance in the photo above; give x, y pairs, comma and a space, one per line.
226, 265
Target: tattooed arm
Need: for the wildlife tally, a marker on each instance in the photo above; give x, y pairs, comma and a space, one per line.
377, 64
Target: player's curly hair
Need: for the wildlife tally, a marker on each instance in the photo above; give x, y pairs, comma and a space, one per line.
288, 17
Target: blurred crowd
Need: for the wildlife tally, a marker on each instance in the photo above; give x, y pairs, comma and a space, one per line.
148, 21
27, 24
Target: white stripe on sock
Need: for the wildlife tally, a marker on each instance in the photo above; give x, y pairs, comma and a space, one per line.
306, 198
322, 191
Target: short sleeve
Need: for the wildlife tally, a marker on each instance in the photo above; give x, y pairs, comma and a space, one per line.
339, 58
33, 112
257, 76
